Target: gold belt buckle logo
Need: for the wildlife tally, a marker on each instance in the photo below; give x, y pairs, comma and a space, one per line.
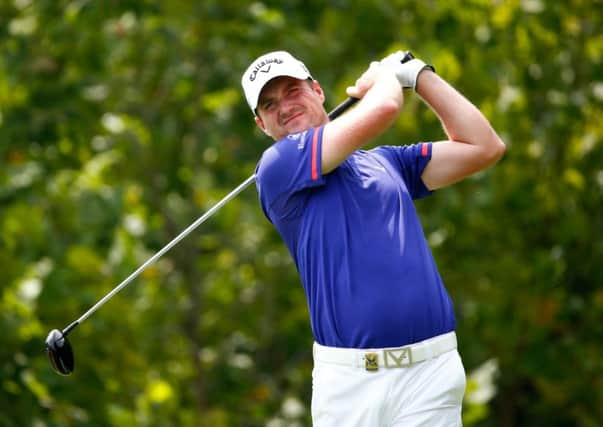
371, 361
398, 358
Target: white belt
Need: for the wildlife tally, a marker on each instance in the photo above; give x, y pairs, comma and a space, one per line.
373, 359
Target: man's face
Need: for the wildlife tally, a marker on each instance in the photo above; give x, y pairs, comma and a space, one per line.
288, 105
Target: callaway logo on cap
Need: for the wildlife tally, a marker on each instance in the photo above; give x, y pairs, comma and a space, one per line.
266, 68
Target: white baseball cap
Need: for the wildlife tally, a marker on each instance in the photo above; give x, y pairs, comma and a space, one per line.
266, 68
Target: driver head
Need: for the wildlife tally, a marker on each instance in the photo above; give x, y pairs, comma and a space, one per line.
59, 352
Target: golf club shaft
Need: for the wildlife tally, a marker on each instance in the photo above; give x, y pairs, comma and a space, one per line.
333, 114
162, 251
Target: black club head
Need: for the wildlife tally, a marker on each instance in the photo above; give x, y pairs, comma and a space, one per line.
59, 352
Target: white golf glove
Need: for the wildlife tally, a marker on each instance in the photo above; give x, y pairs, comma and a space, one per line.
406, 72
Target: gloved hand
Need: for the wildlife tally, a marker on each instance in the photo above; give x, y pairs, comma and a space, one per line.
406, 72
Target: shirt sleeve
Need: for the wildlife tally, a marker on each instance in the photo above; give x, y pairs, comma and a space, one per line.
288, 167
410, 161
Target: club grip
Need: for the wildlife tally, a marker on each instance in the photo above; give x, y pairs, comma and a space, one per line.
337, 111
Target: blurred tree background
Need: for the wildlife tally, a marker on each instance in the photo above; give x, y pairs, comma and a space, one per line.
121, 122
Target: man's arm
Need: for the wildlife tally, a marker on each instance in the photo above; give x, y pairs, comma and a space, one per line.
472, 146
381, 102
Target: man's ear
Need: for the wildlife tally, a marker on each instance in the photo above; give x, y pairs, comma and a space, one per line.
318, 89
260, 124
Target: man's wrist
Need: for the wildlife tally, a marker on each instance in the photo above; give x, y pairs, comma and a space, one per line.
429, 69
407, 71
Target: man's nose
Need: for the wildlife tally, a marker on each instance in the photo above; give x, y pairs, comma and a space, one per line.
285, 106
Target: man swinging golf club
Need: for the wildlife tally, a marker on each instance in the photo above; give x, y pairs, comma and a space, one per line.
385, 351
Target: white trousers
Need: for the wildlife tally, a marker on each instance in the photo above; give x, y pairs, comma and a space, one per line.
427, 393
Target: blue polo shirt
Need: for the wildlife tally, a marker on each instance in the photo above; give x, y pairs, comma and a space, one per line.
369, 276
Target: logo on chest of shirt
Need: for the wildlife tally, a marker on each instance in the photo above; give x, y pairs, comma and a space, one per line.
299, 136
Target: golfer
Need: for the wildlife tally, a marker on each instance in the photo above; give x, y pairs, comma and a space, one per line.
385, 351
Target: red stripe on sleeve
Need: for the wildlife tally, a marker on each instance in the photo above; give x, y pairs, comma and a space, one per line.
424, 150
315, 155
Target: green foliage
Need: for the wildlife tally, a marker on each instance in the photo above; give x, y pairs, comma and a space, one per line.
122, 122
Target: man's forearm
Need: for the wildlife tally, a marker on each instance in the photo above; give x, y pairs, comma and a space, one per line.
380, 103
461, 120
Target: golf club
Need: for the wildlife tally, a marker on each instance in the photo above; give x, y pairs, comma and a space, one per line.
58, 347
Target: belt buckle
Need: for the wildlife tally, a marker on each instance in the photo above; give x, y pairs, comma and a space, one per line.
371, 361
398, 357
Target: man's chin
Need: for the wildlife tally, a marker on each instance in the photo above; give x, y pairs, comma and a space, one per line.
298, 126
297, 129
